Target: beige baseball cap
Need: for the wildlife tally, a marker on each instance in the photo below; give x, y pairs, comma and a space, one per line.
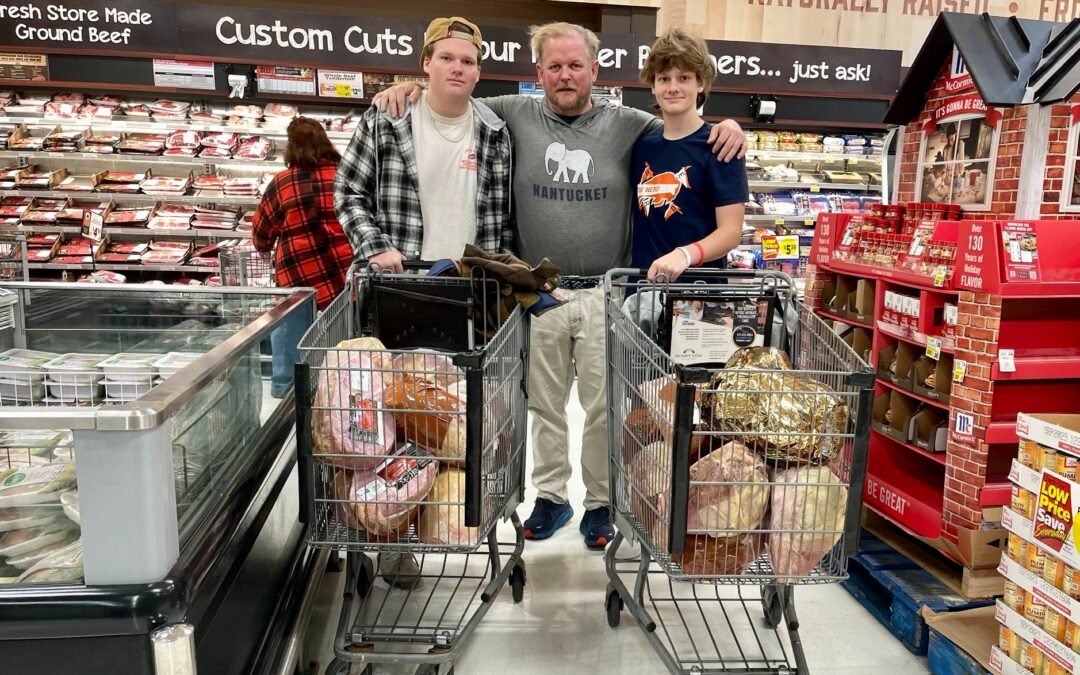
440, 29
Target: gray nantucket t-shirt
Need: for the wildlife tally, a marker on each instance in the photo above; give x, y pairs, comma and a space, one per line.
572, 188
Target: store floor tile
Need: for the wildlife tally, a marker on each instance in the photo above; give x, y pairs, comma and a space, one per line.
561, 627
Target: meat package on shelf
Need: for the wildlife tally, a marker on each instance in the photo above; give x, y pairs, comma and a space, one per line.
103, 109
137, 183
1040, 611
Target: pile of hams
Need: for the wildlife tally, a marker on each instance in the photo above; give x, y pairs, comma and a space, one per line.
390, 428
774, 486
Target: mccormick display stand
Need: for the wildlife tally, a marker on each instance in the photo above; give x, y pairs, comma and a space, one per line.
966, 301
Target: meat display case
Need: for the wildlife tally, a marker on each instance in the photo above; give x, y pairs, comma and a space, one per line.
185, 494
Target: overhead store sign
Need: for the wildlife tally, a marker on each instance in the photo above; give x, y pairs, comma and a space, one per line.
304, 38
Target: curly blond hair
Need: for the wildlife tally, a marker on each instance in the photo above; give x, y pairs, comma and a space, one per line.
538, 35
677, 48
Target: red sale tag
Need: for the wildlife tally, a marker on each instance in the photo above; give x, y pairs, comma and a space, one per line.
1053, 516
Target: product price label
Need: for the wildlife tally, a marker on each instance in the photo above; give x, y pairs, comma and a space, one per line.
779, 221
933, 348
939, 276
959, 370
343, 90
1007, 360
1054, 513
92, 224
815, 188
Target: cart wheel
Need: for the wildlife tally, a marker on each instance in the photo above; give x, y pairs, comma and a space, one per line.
614, 605
517, 581
771, 605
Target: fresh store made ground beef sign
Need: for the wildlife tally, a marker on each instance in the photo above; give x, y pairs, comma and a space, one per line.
259, 35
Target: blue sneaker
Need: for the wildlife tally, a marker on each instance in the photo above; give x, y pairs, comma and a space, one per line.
597, 528
547, 516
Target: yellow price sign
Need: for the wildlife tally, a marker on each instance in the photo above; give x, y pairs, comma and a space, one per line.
933, 348
809, 222
959, 370
779, 221
830, 160
789, 246
343, 90
815, 188
939, 276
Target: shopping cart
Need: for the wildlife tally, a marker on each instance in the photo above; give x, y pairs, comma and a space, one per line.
13, 261
740, 483
242, 265
364, 413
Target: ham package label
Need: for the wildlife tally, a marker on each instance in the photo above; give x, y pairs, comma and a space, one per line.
394, 474
364, 414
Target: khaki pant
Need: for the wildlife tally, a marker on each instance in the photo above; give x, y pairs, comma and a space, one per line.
563, 340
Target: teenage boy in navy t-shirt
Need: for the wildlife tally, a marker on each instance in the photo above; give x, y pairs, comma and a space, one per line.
688, 207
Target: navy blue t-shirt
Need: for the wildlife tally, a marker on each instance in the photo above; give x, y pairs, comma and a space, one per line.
679, 186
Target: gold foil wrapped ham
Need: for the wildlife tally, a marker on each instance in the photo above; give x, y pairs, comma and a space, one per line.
785, 416
760, 358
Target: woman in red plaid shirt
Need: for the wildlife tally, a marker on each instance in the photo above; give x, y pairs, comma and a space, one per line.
297, 213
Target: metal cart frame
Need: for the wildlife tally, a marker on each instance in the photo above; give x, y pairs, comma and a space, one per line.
426, 625
701, 621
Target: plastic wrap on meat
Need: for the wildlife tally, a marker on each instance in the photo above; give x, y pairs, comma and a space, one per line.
435, 418
384, 501
220, 140
706, 556
809, 502
183, 139
216, 153
442, 519
348, 428
255, 148
729, 492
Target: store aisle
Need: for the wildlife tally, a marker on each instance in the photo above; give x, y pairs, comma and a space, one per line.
561, 627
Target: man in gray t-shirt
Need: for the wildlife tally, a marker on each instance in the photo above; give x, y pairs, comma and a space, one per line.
572, 200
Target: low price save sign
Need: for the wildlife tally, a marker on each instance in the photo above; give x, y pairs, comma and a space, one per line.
1055, 513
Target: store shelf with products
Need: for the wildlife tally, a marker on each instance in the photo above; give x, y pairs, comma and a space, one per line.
202, 198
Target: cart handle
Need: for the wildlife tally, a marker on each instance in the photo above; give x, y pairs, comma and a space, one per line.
703, 273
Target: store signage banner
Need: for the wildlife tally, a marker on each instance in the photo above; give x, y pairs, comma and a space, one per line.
1054, 513
280, 37
962, 105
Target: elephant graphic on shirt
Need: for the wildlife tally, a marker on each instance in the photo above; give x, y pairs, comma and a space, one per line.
578, 161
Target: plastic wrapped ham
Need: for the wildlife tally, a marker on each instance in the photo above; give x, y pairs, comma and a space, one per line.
384, 501
648, 488
255, 148
729, 492
442, 520
351, 427
432, 366
435, 418
808, 507
709, 557
220, 140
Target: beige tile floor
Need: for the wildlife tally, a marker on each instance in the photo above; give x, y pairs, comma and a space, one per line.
561, 627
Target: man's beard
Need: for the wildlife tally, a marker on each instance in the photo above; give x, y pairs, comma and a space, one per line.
576, 107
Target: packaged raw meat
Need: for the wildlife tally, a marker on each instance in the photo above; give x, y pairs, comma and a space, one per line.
24, 365
183, 139
220, 140
62, 565
808, 508
105, 277
432, 366
37, 485
106, 100
709, 557
205, 117
75, 250
169, 223
159, 257
242, 122
253, 111
47, 240
127, 247
648, 488
442, 520
176, 210
254, 148
40, 217
348, 428
216, 153
209, 182
75, 368
179, 152
125, 176
435, 419
167, 106
118, 258
385, 500
280, 110
132, 217
73, 260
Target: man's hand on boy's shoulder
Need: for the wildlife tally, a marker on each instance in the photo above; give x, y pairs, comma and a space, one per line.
728, 141
394, 98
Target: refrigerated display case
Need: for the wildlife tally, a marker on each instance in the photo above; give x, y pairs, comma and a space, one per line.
149, 478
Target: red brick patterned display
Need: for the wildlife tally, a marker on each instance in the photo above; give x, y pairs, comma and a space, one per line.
1012, 128
965, 465
1056, 157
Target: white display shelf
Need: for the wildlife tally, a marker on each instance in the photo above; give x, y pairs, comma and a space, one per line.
121, 158
136, 198
826, 157
156, 268
1050, 647
132, 231
87, 267
800, 185
134, 125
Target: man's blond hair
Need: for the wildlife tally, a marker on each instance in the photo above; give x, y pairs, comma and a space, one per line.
538, 35
677, 48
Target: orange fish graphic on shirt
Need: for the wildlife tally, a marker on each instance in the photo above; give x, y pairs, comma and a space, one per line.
661, 189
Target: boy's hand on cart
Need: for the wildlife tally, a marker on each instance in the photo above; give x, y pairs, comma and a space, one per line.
668, 268
387, 261
727, 139
394, 98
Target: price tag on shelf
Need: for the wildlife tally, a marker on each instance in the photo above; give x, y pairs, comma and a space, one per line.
779, 221
933, 348
959, 371
343, 90
939, 276
92, 224
1007, 360
815, 188
830, 160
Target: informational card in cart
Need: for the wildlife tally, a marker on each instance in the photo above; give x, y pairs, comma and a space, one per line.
710, 330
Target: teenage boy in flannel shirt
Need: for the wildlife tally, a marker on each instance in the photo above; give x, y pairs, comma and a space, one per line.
422, 186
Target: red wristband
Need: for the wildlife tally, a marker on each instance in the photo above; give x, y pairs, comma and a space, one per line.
701, 252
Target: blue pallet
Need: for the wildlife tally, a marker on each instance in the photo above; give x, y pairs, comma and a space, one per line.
945, 658
893, 589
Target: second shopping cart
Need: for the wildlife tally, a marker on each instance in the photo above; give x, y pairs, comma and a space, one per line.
738, 424
412, 419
